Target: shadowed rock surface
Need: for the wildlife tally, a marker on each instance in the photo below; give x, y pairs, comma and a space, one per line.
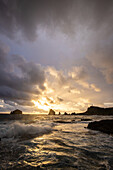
93, 110
17, 111
51, 112
73, 113
65, 113
86, 119
105, 126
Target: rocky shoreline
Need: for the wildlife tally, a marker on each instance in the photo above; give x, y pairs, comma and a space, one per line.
105, 126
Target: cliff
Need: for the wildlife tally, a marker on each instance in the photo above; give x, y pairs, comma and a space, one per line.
93, 110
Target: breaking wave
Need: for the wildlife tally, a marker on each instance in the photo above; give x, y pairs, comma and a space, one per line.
22, 130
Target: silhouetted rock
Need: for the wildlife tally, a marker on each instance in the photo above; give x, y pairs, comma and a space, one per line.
105, 126
59, 113
62, 121
86, 119
65, 113
93, 110
17, 111
73, 113
51, 112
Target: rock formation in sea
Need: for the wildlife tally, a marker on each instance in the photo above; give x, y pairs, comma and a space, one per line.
93, 110
17, 111
105, 126
65, 113
73, 113
51, 112
85, 119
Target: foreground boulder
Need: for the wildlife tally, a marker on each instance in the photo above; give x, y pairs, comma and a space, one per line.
105, 126
17, 111
51, 112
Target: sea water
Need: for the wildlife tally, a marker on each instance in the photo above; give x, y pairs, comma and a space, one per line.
53, 142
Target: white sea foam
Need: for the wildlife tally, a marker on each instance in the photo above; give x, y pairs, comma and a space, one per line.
17, 129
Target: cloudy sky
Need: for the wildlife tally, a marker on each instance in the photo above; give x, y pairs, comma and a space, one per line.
56, 54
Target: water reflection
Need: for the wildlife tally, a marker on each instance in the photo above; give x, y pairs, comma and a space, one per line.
67, 146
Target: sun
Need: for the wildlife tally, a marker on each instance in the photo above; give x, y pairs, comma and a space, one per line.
42, 104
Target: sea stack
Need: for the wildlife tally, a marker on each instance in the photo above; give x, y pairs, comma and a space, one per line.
51, 112
17, 111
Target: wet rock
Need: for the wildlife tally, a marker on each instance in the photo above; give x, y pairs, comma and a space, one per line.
65, 113
86, 119
105, 126
73, 113
61, 121
17, 111
51, 112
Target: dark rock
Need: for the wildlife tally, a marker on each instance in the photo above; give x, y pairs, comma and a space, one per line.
65, 113
59, 113
105, 126
86, 119
73, 113
61, 121
73, 120
93, 110
51, 112
17, 111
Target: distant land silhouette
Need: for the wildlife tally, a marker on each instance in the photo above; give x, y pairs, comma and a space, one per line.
92, 110
17, 111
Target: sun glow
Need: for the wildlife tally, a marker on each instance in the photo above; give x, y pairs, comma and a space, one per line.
42, 104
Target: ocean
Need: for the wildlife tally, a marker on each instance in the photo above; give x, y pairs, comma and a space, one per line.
53, 142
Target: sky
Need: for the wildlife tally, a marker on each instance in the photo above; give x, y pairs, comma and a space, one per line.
56, 55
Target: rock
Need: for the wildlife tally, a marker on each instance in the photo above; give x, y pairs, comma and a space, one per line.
65, 113
59, 113
105, 126
73, 113
17, 111
61, 121
93, 110
86, 119
51, 112
73, 120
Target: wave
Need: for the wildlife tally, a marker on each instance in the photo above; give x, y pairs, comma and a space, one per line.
22, 130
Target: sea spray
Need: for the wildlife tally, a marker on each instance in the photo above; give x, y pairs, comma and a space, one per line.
17, 130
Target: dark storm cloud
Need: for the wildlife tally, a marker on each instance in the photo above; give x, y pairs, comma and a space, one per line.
20, 81
101, 57
67, 15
